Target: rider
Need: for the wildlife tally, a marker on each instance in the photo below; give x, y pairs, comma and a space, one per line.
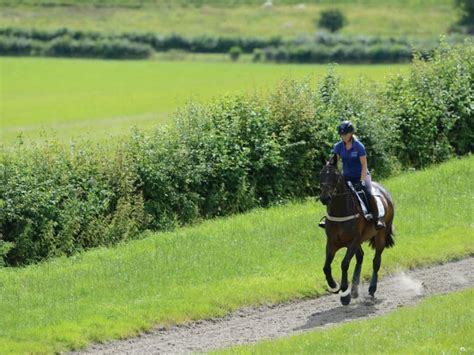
354, 167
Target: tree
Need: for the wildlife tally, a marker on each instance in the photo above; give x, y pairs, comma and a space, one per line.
467, 12
332, 19
235, 53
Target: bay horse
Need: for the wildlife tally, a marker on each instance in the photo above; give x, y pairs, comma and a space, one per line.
346, 227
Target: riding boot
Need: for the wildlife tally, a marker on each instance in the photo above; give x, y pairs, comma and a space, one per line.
379, 222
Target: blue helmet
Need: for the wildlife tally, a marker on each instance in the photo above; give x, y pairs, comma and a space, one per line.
345, 127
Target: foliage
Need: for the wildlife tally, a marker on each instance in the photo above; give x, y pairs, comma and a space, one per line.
320, 48
433, 107
332, 20
467, 12
235, 53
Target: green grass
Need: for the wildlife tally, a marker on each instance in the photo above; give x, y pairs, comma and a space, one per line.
384, 18
439, 325
95, 98
210, 269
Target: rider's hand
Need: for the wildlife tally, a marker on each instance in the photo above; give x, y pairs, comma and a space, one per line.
362, 182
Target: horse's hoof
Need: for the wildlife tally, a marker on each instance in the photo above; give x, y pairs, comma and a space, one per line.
372, 290
335, 289
354, 293
345, 297
346, 300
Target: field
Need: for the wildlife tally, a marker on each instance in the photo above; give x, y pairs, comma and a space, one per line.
208, 270
73, 98
151, 203
425, 18
439, 324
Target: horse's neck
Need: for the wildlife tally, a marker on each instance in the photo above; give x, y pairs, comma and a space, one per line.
341, 204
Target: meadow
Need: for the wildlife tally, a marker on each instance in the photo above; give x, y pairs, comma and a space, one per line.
438, 324
96, 99
413, 18
207, 270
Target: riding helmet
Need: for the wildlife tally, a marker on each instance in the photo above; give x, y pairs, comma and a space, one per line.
345, 127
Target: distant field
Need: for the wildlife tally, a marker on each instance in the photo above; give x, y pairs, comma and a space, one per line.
73, 97
421, 18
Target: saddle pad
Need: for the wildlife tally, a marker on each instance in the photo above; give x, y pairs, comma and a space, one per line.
376, 191
380, 207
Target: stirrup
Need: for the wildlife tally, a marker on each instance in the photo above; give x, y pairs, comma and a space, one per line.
322, 223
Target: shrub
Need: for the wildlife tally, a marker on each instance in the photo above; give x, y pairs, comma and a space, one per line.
332, 20
112, 49
258, 55
235, 53
19, 46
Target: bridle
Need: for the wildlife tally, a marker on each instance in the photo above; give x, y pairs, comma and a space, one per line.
333, 192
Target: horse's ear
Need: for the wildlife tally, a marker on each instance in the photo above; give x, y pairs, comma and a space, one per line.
333, 160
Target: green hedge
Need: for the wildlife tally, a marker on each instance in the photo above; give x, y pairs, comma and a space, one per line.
326, 48
201, 43
319, 48
228, 156
68, 47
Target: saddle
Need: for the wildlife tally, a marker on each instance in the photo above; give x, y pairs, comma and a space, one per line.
363, 200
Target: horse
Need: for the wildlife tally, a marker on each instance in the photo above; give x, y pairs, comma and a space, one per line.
347, 227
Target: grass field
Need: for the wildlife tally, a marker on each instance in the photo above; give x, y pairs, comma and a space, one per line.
215, 267
441, 324
421, 18
95, 98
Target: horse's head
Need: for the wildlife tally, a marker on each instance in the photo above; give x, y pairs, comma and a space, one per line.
328, 180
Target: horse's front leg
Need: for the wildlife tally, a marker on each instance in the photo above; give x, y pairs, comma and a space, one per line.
359, 254
330, 252
376, 265
345, 292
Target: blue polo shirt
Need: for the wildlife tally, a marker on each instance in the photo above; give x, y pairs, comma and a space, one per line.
351, 166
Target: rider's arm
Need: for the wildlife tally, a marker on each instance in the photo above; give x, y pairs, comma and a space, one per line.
363, 161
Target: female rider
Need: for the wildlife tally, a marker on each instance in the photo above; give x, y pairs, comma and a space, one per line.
354, 166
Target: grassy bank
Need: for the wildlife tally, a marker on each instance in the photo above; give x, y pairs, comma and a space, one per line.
218, 266
440, 324
74, 98
384, 18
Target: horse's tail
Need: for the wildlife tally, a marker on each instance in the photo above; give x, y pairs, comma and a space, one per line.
389, 241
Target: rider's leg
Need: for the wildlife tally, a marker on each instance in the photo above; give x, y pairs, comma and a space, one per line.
379, 222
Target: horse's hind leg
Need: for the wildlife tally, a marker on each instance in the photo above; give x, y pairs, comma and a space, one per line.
330, 252
359, 254
379, 246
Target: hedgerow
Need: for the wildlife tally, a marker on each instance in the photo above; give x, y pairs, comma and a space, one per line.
228, 156
319, 48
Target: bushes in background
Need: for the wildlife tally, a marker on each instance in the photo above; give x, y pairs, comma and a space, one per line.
319, 48
82, 40
228, 156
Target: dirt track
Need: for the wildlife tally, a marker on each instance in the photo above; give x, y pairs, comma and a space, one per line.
251, 325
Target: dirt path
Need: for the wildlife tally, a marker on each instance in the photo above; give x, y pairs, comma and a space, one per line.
251, 325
